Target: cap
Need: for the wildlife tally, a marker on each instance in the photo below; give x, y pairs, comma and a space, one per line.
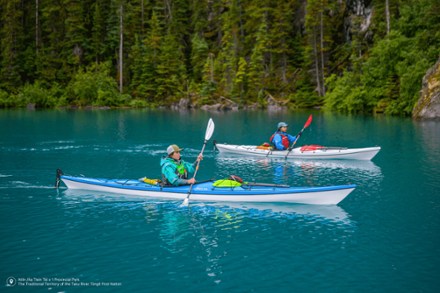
173, 148
282, 124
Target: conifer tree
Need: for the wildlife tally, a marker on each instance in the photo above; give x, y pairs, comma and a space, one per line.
149, 52
97, 46
257, 65
171, 80
227, 59
11, 36
75, 33
199, 54
52, 63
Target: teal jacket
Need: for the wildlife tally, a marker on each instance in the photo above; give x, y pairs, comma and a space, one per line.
171, 174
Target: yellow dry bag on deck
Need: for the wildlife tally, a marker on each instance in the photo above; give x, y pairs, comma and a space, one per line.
226, 183
150, 181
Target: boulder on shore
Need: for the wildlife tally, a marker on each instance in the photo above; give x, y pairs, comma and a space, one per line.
428, 106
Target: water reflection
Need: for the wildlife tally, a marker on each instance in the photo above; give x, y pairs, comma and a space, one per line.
207, 231
174, 229
277, 211
430, 153
122, 129
332, 164
228, 215
300, 172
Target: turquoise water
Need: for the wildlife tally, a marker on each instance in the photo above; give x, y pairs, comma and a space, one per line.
382, 238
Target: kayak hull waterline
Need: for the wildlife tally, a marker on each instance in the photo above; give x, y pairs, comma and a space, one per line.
205, 191
339, 153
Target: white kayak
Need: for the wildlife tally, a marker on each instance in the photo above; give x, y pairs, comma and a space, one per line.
305, 152
209, 191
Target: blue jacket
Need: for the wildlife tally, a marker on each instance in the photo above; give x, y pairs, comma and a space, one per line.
278, 140
170, 171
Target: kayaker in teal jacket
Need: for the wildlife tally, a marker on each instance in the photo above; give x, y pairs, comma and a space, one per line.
175, 171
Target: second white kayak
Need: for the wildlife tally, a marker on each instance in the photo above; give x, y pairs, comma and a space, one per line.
304, 152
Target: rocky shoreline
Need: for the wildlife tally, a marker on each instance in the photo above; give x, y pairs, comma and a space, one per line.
224, 104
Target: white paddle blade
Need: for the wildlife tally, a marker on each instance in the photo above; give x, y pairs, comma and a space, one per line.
185, 202
209, 129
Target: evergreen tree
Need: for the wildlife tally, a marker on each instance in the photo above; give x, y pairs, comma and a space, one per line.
11, 35
227, 59
52, 64
97, 49
209, 83
199, 54
149, 52
75, 33
257, 65
171, 80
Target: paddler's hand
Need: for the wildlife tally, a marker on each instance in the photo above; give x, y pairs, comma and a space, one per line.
191, 181
200, 157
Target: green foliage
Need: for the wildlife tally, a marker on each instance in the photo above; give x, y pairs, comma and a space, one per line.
389, 80
239, 49
94, 87
5, 101
240, 77
198, 56
305, 99
138, 103
10, 44
32, 94
170, 78
256, 64
337, 91
38, 95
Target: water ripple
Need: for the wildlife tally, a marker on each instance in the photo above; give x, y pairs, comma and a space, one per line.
299, 173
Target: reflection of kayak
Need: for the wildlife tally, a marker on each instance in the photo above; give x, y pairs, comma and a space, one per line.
332, 213
304, 152
207, 191
234, 160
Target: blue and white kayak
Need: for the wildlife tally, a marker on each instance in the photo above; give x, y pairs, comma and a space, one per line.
312, 152
208, 191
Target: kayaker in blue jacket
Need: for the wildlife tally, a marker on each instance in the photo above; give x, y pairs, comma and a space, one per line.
175, 171
281, 140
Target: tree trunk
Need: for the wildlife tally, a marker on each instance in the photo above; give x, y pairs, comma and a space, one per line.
142, 18
387, 13
322, 90
211, 67
316, 57
121, 48
284, 68
37, 27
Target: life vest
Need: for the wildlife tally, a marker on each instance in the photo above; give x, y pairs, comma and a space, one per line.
284, 139
180, 171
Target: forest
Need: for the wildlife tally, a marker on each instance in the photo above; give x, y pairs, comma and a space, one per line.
353, 56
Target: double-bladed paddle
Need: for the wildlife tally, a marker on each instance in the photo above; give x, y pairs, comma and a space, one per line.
208, 134
308, 122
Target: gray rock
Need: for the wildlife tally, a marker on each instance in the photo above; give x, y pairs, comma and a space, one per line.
428, 106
